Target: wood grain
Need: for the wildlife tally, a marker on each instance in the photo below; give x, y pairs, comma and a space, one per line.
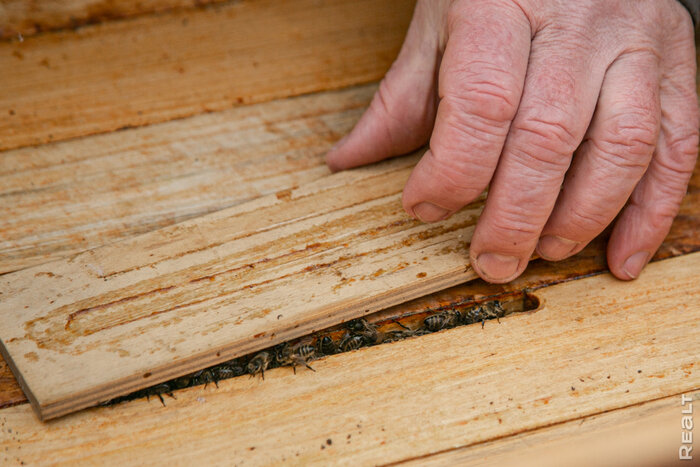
156, 68
683, 238
169, 302
595, 345
125, 183
27, 17
643, 435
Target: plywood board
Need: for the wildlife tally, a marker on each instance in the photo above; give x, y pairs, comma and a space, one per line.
151, 69
595, 345
66, 197
147, 309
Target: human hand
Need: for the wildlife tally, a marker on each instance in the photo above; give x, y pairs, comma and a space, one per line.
568, 109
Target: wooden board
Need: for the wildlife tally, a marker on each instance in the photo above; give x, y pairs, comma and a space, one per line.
595, 345
156, 68
642, 435
156, 306
27, 17
137, 180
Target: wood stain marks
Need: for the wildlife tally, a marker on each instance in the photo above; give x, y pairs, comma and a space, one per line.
229, 276
72, 316
284, 195
45, 273
31, 356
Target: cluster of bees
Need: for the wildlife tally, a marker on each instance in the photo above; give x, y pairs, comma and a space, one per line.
353, 335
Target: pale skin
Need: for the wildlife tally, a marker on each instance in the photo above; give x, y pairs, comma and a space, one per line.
575, 114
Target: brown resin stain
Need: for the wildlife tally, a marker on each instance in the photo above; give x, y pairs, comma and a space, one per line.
687, 368
284, 195
45, 273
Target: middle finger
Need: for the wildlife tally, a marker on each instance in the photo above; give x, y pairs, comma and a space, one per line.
561, 89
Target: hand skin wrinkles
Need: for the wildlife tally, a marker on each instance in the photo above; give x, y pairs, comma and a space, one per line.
576, 114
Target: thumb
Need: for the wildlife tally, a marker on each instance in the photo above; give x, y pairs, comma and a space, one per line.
401, 115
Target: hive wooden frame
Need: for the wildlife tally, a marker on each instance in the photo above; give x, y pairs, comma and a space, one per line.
128, 315
595, 345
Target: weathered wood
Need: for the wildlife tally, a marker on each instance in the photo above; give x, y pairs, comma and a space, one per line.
595, 345
644, 435
155, 68
683, 238
137, 180
27, 17
169, 302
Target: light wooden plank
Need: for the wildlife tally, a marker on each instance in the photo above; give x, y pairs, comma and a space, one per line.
684, 237
618, 344
156, 68
66, 197
27, 17
646, 434
163, 304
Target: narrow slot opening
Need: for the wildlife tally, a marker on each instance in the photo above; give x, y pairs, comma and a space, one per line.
375, 329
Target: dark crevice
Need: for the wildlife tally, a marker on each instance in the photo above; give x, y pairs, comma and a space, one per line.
352, 335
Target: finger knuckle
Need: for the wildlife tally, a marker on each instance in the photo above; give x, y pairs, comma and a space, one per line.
542, 166
669, 180
588, 218
630, 138
550, 136
459, 175
490, 97
513, 226
683, 147
660, 215
458, 132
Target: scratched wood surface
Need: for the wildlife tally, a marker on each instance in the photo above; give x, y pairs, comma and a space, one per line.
137, 180
27, 17
159, 305
155, 68
683, 238
308, 138
466, 386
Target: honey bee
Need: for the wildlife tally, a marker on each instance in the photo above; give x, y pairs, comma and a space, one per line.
351, 342
443, 320
326, 346
205, 376
158, 390
367, 331
259, 364
300, 354
487, 310
226, 371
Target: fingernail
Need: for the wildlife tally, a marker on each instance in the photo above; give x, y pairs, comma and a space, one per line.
634, 264
554, 248
497, 267
339, 143
428, 212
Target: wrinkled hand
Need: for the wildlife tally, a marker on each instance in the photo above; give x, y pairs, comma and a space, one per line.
567, 108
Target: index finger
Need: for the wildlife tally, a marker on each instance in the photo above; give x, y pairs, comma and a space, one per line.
481, 80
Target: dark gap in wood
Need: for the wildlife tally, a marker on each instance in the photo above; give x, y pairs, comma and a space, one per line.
375, 329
